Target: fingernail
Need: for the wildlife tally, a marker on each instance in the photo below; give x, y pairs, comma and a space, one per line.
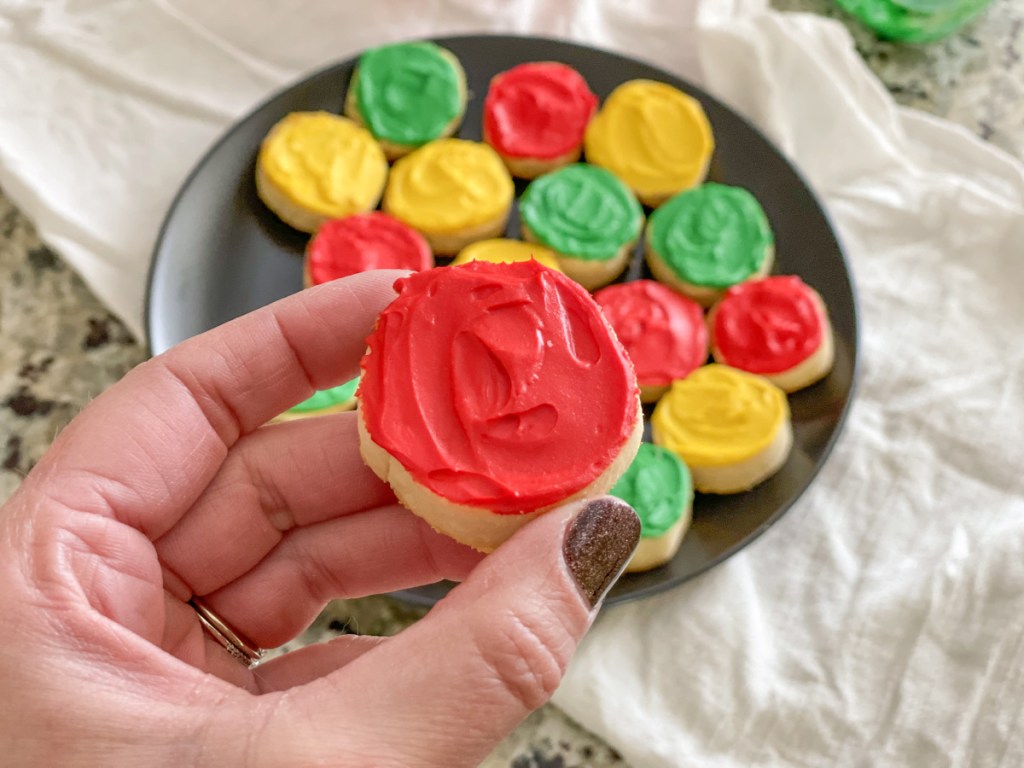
598, 545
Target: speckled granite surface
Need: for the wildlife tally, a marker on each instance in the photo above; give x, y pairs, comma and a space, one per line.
61, 347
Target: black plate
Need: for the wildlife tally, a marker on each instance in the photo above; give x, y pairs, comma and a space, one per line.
221, 253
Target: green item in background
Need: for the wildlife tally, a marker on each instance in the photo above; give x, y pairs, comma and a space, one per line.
328, 398
914, 21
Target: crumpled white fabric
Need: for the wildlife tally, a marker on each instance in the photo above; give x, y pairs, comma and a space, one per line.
882, 621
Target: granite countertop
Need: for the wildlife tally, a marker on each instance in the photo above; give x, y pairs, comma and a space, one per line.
61, 347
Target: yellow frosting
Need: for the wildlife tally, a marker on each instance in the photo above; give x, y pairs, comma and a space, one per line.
449, 185
503, 251
325, 163
652, 136
718, 415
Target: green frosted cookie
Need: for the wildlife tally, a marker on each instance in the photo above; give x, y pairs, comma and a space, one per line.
712, 236
407, 94
658, 486
582, 211
334, 399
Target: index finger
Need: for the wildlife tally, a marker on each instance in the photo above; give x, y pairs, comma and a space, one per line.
143, 451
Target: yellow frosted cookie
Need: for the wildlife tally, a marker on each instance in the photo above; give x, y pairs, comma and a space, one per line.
453, 191
652, 136
731, 428
316, 166
500, 250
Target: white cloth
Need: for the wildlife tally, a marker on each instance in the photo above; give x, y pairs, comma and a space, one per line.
881, 622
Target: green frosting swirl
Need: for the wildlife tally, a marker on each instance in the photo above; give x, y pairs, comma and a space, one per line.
328, 398
408, 93
915, 21
582, 211
658, 486
714, 235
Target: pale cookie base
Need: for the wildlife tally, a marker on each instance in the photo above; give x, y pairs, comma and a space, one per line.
476, 527
654, 199
744, 475
803, 374
532, 167
702, 294
591, 274
393, 151
658, 550
652, 393
291, 213
450, 243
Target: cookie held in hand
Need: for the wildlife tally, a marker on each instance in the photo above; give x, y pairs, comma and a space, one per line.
519, 399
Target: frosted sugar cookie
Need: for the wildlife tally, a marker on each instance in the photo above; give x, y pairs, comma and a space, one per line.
315, 166
500, 250
776, 327
652, 136
334, 400
730, 427
586, 216
519, 398
407, 94
343, 247
535, 115
703, 241
453, 191
658, 486
664, 333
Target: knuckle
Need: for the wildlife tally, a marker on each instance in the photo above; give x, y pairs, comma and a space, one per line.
527, 656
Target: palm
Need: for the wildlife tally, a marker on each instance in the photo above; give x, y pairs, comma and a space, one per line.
169, 487
174, 488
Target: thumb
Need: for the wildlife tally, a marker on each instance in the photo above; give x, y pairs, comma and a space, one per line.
445, 691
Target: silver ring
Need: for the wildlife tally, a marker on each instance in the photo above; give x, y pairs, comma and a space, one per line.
232, 642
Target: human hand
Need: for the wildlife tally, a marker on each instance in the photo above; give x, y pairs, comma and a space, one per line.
167, 487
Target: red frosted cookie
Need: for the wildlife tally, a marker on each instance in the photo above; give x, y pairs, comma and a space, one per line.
776, 327
519, 399
343, 247
535, 116
663, 333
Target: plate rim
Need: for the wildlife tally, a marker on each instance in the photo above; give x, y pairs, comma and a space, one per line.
412, 596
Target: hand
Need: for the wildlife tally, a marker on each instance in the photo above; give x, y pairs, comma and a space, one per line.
168, 486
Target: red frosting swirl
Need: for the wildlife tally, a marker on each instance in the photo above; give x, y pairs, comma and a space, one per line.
497, 385
537, 110
767, 326
663, 333
344, 247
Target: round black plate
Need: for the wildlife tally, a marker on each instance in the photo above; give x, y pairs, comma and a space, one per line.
222, 253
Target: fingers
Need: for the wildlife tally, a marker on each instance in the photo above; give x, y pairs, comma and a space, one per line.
366, 553
279, 477
312, 662
145, 449
184, 637
445, 691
